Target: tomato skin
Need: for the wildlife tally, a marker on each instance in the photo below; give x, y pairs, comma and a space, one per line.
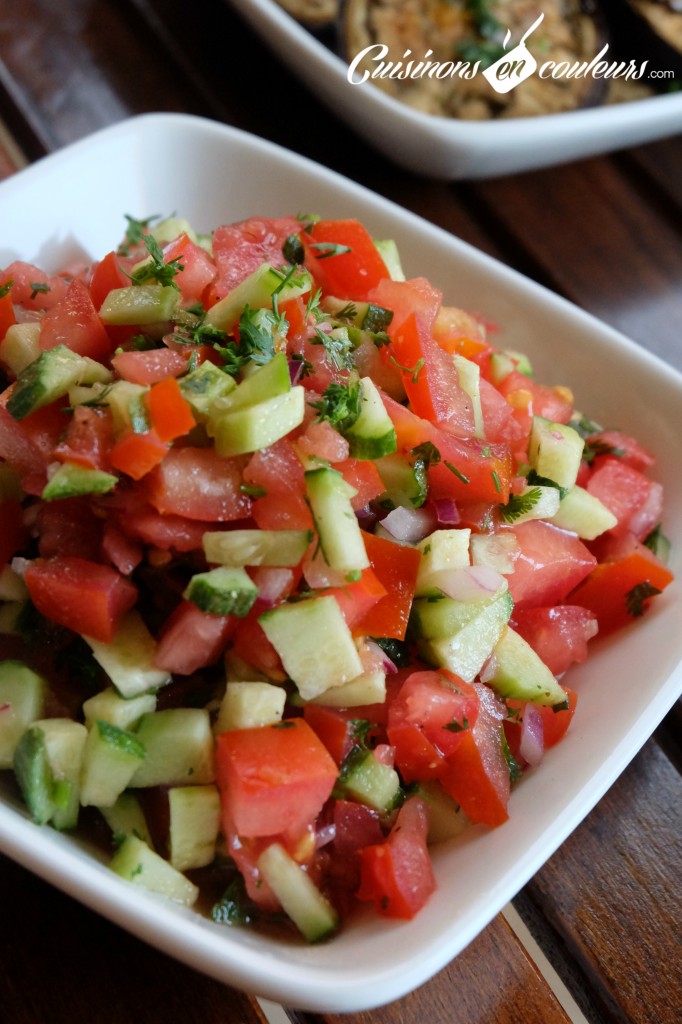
278, 471
363, 475
356, 600
477, 776
273, 779
170, 413
552, 403
252, 646
406, 297
25, 276
630, 451
84, 596
635, 501
334, 727
348, 275
7, 317
240, 248
396, 567
198, 269
136, 455
191, 639
74, 322
198, 484
107, 275
397, 875
69, 527
606, 591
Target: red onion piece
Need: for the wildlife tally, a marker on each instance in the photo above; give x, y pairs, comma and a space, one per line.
446, 511
409, 525
532, 742
469, 583
295, 371
381, 657
273, 583
325, 834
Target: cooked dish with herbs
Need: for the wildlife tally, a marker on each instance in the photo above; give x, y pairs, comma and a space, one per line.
295, 561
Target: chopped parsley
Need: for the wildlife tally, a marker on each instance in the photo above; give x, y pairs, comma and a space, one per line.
39, 288
135, 233
455, 726
458, 473
326, 249
338, 347
413, 371
256, 344
234, 907
293, 250
635, 599
154, 268
339, 405
6, 288
519, 505
347, 312
513, 765
597, 447
544, 481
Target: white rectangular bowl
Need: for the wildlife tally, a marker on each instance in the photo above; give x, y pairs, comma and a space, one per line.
73, 203
451, 148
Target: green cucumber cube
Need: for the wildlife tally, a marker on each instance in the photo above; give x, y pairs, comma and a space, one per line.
50, 376
263, 382
179, 746
129, 659
194, 826
243, 430
441, 551
141, 304
367, 780
335, 521
64, 742
110, 760
222, 591
20, 346
315, 644
465, 650
203, 386
71, 480
555, 451
515, 670
257, 291
138, 863
583, 513
372, 435
126, 818
109, 706
250, 705
22, 696
301, 900
283, 548
368, 688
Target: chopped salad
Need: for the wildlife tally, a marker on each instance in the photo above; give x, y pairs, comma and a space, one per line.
294, 561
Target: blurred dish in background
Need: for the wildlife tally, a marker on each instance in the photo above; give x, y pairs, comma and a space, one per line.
312, 12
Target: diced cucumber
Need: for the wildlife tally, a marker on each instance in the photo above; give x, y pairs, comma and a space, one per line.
194, 826
441, 551
368, 688
368, 781
137, 863
314, 642
254, 427
129, 659
264, 382
120, 399
555, 451
49, 377
20, 346
109, 706
126, 818
496, 550
249, 705
282, 548
469, 374
179, 746
222, 591
139, 304
584, 514
446, 818
301, 900
515, 670
111, 758
366, 316
257, 291
170, 228
203, 386
372, 435
22, 696
335, 521
71, 480
34, 776
64, 746
502, 364
405, 480
388, 250
469, 630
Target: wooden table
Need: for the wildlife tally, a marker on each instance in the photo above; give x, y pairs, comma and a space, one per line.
599, 924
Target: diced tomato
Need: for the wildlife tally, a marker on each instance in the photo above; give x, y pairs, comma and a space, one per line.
69, 527
396, 567
252, 646
170, 413
416, 296
320, 440
191, 639
551, 402
499, 422
430, 378
123, 553
273, 779
618, 592
548, 564
136, 455
477, 775
239, 249
348, 275
197, 268
553, 724
151, 366
74, 322
397, 875
88, 439
363, 475
82, 595
32, 288
107, 275
334, 726
635, 501
459, 332
556, 723
558, 635
277, 470
7, 317
355, 827
356, 599
439, 706
199, 484
614, 443
141, 522
14, 534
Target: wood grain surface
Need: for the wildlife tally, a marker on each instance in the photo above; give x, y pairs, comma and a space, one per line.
606, 233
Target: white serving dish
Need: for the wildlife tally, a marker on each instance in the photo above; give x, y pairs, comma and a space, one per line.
73, 203
446, 147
